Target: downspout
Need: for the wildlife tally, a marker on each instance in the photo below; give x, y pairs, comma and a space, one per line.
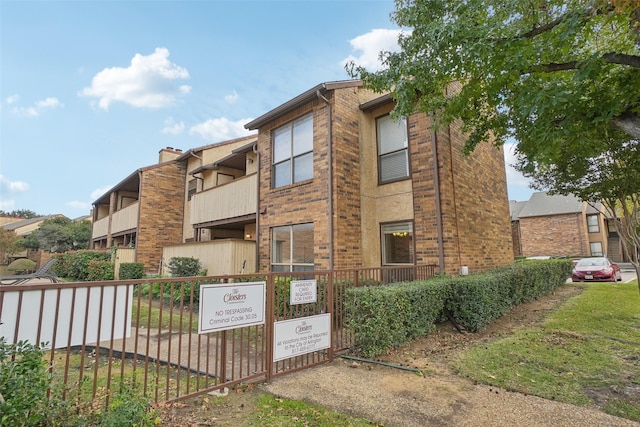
329, 174
436, 184
455, 201
257, 237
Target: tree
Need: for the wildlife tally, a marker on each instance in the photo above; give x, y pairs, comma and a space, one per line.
607, 172
561, 77
543, 71
60, 234
9, 242
21, 213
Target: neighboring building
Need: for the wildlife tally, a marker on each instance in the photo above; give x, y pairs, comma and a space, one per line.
171, 208
555, 225
22, 228
144, 211
342, 184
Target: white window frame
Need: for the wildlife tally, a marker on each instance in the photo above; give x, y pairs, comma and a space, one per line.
593, 224
394, 130
292, 153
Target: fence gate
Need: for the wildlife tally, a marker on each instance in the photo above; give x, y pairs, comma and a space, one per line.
173, 338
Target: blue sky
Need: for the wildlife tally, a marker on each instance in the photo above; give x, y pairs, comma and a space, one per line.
90, 91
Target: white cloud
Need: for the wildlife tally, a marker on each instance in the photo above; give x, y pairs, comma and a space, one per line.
221, 129
98, 192
368, 46
7, 205
146, 82
85, 206
12, 99
14, 186
11, 187
232, 98
171, 127
38, 107
48, 103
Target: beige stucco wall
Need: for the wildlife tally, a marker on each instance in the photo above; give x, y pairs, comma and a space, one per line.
380, 203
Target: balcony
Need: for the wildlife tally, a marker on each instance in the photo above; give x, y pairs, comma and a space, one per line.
122, 220
125, 219
218, 257
100, 228
235, 199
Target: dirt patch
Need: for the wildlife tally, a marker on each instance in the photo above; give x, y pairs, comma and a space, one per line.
393, 396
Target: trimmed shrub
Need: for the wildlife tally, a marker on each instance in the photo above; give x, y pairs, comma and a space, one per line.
75, 265
184, 266
383, 317
22, 265
99, 270
131, 270
477, 300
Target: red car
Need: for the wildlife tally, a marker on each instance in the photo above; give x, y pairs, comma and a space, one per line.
596, 270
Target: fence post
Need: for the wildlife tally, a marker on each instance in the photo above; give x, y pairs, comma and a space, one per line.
270, 318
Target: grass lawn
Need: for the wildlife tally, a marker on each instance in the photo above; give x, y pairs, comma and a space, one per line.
587, 352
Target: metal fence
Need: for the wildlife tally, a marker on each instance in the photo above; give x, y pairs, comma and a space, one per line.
145, 333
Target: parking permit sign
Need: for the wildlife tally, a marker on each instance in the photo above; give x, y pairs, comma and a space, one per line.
303, 291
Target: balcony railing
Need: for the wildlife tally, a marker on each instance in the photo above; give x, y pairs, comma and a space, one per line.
235, 199
125, 219
100, 228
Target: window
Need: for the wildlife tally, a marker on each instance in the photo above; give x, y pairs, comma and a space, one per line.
193, 185
592, 224
293, 152
393, 161
596, 249
292, 248
397, 243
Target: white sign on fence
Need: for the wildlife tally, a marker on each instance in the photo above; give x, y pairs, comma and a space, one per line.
303, 291
230, 306
301, 336
65, 320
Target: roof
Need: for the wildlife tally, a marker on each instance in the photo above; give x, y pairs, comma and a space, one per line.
185, 155
299, 101
515, 208
544, 204
13, 226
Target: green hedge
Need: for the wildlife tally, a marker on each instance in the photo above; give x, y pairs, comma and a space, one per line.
100, 270
131, 270
477, 300
75, 265
383, 317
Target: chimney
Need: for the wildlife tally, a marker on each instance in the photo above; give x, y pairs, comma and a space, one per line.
168, 154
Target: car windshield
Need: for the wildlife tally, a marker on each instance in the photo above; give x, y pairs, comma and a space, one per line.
591, 262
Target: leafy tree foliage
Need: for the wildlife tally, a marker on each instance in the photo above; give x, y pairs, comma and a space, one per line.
20, 213
547, 72
561, 77
10, 242
60, 234
606, 171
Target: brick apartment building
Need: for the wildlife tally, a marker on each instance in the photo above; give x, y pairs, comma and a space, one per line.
342, 184
555, 225
330, 181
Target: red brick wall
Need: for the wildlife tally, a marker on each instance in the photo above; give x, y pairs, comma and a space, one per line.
557, 235
474, 202
303, 202
161, 212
